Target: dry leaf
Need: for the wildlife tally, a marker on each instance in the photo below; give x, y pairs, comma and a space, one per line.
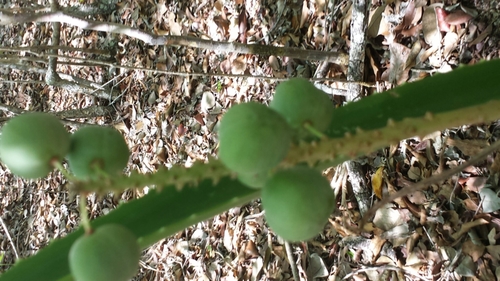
377, 181
468, 147
242, 19
457, 17
482, 36
432, 34
374, 24
441, 14
473, 250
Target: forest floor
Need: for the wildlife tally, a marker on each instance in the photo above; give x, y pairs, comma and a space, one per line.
170, 118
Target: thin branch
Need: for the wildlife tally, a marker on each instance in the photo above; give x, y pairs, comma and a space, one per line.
291, 261
10, 239
87, 112
154, 39
355, 69
428, 181
17, 64
96, 8
65, 81
37, 50
355, 72
51, 76
12, 109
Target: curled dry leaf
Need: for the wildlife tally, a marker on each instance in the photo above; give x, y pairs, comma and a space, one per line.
457, 17
432, 34
441, 14
243, 24
377, 181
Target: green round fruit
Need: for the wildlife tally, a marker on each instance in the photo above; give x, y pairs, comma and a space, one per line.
97, 148
31, 142
256, 180
110, 253
300, 102
253, 138
297, 203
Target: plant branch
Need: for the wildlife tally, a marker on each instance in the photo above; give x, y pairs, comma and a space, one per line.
355, 71
428, 181
38, 50
10, 238
87, 112
7, 17
17, 63
51, 77
65, 81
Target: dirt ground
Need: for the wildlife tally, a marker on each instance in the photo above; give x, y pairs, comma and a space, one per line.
169, 119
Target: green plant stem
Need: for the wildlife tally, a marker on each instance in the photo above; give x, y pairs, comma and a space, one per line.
84, 216
58, 165
314, 131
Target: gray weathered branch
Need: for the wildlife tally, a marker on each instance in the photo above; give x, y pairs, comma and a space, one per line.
154, 39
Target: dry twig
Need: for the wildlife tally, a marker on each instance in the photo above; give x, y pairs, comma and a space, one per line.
154, 39
428, 181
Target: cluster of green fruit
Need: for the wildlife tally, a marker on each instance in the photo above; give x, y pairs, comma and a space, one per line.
31, 144
254, 139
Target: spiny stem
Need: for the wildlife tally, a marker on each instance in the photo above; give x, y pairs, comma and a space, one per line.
178, 176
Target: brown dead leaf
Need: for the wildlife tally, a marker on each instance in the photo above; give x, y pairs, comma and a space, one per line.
482, 36
345, 22
441, 14
225, 66
457, 17
222, 24
467, 226
242, 19
475, 184
470, 204
485, 273
409, 14
239, 65
495, 166
377, 182
175, 27
397, 73
473, 250
304, 14
432, 34
417, 197
451, 40
494, 251
468, 147
376, 245
251, 250
374, 23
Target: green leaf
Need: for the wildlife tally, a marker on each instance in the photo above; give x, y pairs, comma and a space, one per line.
151, 218
463, 87
467, 95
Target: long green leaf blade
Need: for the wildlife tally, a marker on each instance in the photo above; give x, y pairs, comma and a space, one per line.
155, 216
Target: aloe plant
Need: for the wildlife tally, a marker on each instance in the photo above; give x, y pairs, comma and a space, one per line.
184, 197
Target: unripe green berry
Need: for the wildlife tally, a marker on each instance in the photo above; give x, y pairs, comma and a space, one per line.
297, 203
30, 142
253, 138
301, 103
255, 180
97, 149
110, 253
